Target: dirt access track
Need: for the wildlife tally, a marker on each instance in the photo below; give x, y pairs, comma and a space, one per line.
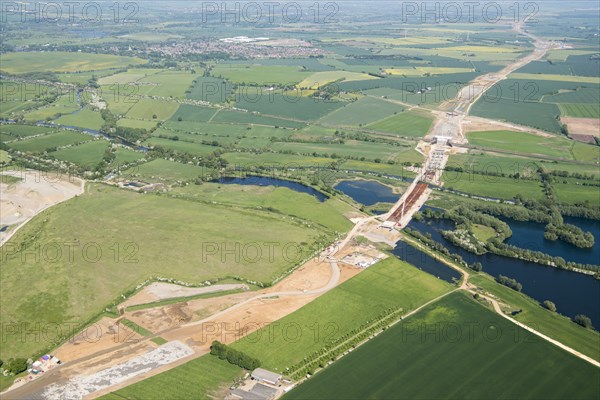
35, 192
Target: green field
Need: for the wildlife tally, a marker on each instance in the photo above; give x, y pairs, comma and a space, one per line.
42, 143
328, 214
576, 193
260, 74
147, 109
23, 62
181, 146
87, 154
22, 131
160, 170
389, 283
136, 123
294, 107
404, 124
64, 105
522, 142
493, 186
549, 323
75, 289
85, 118
201, 378
353, 148
361, 112
194, 113
452, 349
579, 110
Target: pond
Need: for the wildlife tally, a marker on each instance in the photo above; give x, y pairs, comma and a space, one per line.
367, 192
267, 181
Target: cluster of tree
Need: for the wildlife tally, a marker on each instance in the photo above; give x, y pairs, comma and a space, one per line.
432, 244
476, 266
464, 216
571, 234
549, 305
465, 240
507, 250
233, 356
583, 320
210, 161
576, 175
14, 366
509, 282
581, 210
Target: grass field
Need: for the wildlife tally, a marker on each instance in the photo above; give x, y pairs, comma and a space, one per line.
169, 83
201, 378
88, 154
328, 214
423, 71
389, 283
120, 256
23, 62
428, 355
124, 156
404, 124
4, 157
41, 143
549, 323
522, 142
574, 193
85, 118
160, 170
361, 112
236, 117
193, 113
131, 75
147, 109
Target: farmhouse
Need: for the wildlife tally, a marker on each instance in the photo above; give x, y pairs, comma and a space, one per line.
262, 375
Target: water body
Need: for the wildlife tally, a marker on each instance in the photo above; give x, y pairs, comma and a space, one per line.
572, 292
530, 235
367, 192
266, 181
425, 262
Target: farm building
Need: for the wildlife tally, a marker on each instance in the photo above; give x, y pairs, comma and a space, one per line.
262, 375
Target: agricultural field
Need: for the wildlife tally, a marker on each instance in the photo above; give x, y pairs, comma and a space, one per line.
14, 131
64, 286
167, 84
40, 144
88, 154
522, 142
391, 283
295, 107
161, 170
328, 214
549, 323
351, 148
406, 123
86, 119
272, 75
187, 112
64, 105
130, 76
494, 186
23, 62
320, 79
574, 192
202, 378
579, 110
361, 112
152, 110
236, 117
534, 368
181, 146
136, 123
125, 156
